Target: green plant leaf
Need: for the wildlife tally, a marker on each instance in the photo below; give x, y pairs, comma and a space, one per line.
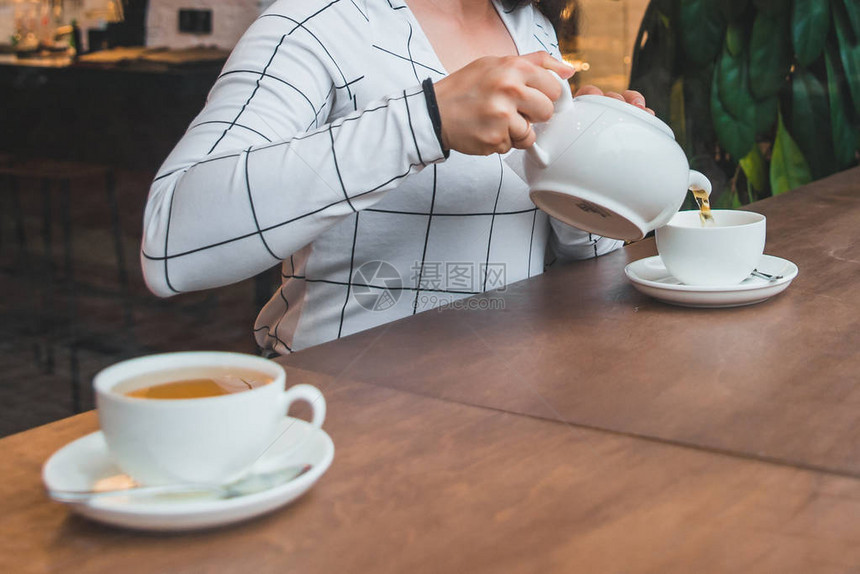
755, 169
849, 53
654, 59
770, 54
701, 138
810, 122
733, 9
772, 7
701, 30
733, 85
845, 134
677, 115
735, 135
726, 200
742, 190
810, 23
852, 9
788, 167
765, 115
735, 40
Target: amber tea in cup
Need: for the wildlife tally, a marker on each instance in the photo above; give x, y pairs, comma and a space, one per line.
194, 384
234, 407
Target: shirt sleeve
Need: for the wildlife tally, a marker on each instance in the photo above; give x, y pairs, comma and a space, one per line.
568, 243
262, 172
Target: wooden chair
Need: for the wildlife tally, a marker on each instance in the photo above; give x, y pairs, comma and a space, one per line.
55, 178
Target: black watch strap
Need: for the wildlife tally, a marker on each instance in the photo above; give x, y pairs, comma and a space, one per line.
433, 110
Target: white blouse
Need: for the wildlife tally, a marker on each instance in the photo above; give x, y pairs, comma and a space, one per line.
316, 150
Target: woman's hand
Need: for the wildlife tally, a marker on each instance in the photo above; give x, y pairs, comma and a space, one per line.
489, 105
632, 97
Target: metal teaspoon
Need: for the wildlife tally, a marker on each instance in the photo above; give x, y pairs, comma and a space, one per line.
244, 486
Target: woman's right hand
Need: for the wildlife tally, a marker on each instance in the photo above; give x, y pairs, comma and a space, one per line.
489, 105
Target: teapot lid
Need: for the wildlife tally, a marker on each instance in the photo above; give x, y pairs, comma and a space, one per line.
637, 113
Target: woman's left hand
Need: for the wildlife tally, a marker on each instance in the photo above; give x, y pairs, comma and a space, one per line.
631, 97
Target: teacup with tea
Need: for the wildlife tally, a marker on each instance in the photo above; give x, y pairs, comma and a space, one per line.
720, 250
196, 416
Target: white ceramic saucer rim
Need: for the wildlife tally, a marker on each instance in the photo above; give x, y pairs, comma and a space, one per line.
199, 507
788, 276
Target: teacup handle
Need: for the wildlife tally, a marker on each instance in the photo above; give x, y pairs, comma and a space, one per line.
565, 101
310, 395
699, 181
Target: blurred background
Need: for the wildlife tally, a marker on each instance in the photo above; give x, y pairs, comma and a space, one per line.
763, 95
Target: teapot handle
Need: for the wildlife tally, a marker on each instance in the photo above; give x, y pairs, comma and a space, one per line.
699, 181
565, 101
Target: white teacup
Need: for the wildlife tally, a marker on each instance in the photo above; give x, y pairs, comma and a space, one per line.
724, 253
209, 439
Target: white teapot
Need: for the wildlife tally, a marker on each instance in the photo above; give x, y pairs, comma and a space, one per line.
608, 167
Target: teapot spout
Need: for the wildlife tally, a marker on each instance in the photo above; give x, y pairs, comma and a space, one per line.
699, 181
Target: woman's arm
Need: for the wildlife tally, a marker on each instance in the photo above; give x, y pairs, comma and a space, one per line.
259, 174
569, 243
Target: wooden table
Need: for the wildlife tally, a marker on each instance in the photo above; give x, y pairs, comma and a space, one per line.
570, 432
776, 381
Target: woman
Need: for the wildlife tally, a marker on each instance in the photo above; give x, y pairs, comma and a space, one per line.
358, 143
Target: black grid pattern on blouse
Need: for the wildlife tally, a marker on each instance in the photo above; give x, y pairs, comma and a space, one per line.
414, 104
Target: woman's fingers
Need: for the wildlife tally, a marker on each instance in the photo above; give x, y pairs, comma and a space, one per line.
635, 98
521, 132
629, 96
535, 105
533, 71
589, 90
544, 60
490, 104
542, 81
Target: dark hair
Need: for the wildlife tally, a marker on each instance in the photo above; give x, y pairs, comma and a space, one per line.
562, 14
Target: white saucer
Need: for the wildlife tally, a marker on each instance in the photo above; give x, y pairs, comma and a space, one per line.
78, 465
650, 277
